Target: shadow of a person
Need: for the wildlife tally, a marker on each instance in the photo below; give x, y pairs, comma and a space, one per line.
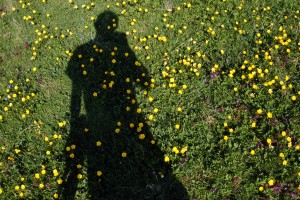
112, 139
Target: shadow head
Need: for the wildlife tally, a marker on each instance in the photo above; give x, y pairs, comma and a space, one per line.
106, 23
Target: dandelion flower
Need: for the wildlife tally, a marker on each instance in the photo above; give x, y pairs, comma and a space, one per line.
167, 159
269, 115
259, 111
271, 182
175, 150
98, 143
79, 176
183, 150
99, 173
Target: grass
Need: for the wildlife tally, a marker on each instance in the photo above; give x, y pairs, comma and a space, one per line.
203, 106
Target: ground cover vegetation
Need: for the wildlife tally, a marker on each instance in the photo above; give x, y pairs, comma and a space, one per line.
136, 99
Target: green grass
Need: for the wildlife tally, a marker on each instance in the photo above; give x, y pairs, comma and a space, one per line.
187, 114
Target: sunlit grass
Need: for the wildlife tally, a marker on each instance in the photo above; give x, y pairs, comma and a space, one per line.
209, 108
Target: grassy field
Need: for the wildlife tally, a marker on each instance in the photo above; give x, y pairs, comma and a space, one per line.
137, 99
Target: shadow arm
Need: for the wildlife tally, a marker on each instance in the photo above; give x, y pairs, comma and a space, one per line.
73, 71
75, 106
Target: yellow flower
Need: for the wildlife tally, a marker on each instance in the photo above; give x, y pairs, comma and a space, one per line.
259, 111
1, 191
99, 173
183, 150
150, 117
252, 152
55, 196
285, 162
269, 115
79, 176
98, 143
167, 159
175, 150
59, 181
281, 155
37, 176
226, 137
150, 99
271, 182
41, 185
124, 154
17, 151
261, 188
55, 172
177, 126
142, 136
